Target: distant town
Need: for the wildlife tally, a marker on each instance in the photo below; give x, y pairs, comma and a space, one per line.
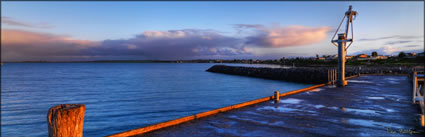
372, 56
402, 59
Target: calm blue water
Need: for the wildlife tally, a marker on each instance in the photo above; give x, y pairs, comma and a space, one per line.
120, 96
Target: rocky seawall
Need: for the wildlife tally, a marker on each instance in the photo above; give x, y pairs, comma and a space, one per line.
307, 75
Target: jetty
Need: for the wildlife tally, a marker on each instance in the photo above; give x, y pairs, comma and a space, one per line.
374, 105
369, 105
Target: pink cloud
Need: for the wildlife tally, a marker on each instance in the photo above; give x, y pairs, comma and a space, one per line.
277, 37
25, 45
20, 37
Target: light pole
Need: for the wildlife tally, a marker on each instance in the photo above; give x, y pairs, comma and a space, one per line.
341, 44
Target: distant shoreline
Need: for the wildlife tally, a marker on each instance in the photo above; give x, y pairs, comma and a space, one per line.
298, 62
118, 61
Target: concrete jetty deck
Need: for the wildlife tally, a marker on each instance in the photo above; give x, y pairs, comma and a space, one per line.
368, 106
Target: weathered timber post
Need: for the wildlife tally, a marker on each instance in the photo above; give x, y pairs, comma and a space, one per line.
415, 81
276, 97
66, 120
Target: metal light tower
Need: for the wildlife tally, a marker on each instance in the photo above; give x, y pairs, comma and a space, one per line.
341, 42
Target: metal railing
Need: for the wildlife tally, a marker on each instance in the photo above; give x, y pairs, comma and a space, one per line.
419, 90
419, 69
332, 75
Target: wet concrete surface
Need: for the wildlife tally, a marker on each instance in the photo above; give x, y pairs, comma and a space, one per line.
368, 106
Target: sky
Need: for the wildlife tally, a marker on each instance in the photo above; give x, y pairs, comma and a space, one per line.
74, 31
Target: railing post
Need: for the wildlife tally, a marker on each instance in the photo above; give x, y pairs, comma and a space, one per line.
422, 120
276, 97
414, 86
66, 120
335, 76
329, 77
358, 71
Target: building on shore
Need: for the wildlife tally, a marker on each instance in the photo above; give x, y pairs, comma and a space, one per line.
349, 57
378, 57
410, 55
362, 57
367, 57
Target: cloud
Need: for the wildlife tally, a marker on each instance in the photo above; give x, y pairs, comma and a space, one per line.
414, 51
391, 37
397, 42
386, 50
277, 37
389, 49
409, 46
25, 45
172, 44
375, 39
21, 45
13, 22
243, 27
391, 44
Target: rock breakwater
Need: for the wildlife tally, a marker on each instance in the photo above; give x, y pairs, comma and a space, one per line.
309, 75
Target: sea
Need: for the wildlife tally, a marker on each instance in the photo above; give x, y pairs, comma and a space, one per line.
121, 96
